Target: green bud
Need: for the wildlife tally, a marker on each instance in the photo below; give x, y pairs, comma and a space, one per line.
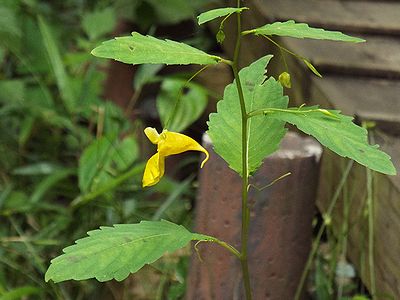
284, 79
327, 219
220, 36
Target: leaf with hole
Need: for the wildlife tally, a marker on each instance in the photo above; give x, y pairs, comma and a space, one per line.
140, 49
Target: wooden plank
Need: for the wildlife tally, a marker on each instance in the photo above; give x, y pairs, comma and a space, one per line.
368, 98
391, 145
358, 97
378, 57
386, 222
352, 16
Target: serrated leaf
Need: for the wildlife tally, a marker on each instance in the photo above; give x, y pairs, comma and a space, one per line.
140, 49
301, 30
339, 134
115, 252
192, 103
264, 134
217, 13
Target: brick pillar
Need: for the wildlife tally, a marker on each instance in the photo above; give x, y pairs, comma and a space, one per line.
280, 230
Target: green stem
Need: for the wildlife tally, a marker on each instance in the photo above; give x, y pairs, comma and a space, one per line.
371, 261
245, 171
201, 238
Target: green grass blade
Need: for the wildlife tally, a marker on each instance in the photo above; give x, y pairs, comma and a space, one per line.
57, 66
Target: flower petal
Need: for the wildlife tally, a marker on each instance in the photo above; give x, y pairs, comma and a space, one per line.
174, 143
154, 170
152, 135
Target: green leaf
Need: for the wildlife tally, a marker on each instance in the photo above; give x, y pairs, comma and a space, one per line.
140, 49
102, 159
301, 30
339, 134
171, 11
192, 103
57, 66
10, 30
217, 13
100, 22
115, 252
264, 134
20, 293
12, 91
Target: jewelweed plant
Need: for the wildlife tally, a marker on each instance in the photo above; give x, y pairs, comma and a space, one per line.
248, 126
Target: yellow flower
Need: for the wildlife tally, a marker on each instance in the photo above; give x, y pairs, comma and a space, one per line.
168, 143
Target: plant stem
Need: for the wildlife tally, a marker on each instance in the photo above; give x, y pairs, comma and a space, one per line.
371, 214
245, 171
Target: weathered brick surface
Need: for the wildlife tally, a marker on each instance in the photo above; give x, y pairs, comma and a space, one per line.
280, 232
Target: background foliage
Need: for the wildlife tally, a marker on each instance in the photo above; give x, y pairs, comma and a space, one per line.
60, 140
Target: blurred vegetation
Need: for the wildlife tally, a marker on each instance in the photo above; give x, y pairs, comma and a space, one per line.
70, 159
